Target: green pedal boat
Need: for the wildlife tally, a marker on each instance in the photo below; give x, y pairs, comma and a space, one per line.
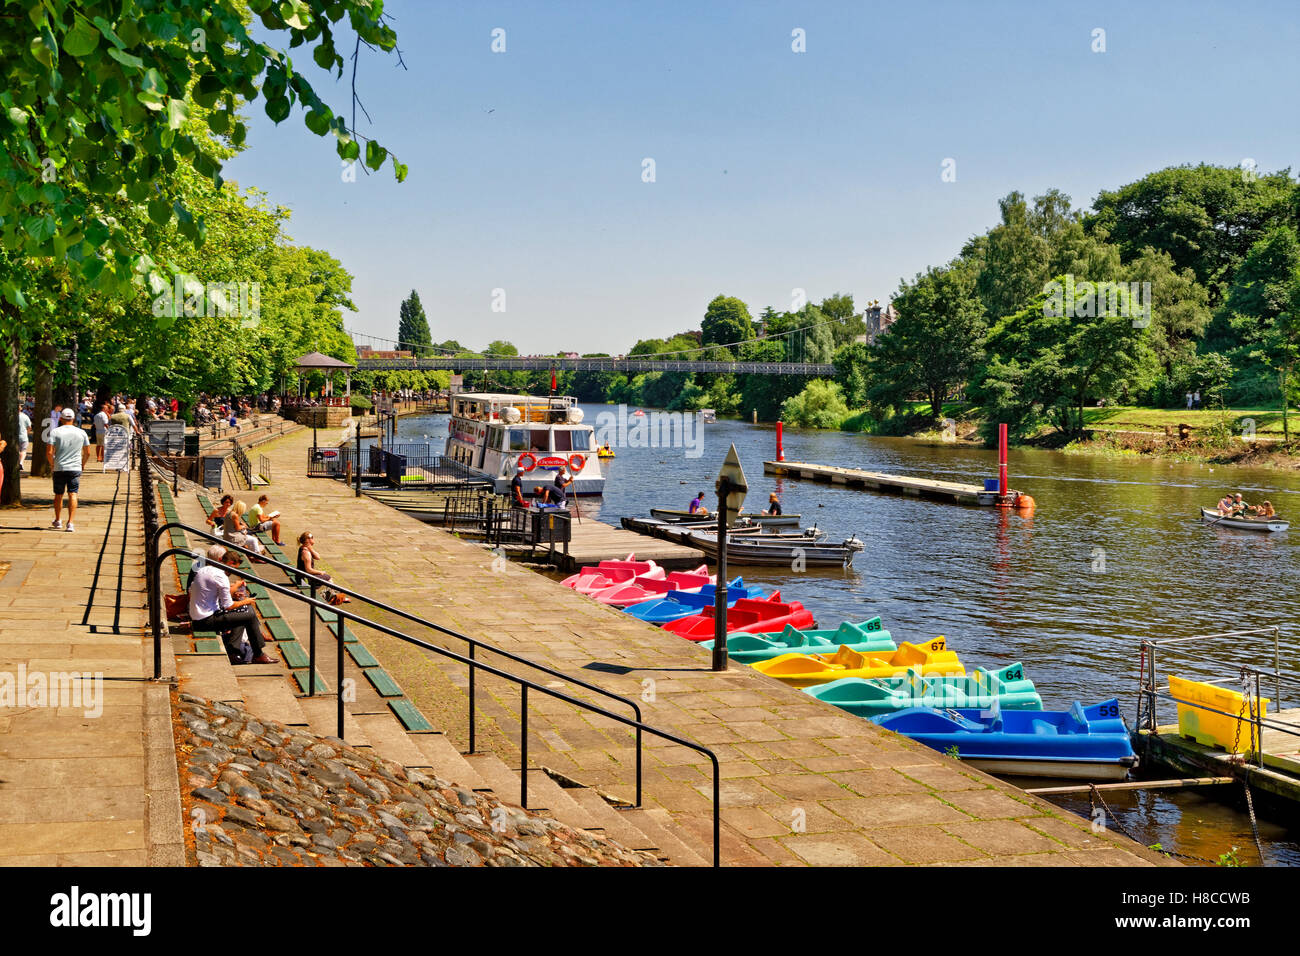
868, 636
885, 695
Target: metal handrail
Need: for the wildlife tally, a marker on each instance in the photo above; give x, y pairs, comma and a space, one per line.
155, 559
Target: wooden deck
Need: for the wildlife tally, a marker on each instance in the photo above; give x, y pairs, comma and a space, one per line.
879, 481
1280, 775
594, 541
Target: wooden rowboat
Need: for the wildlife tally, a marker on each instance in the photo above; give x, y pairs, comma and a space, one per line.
783, 521
1243, 523
752, 550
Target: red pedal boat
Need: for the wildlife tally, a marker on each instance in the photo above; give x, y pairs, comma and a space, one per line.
751, 615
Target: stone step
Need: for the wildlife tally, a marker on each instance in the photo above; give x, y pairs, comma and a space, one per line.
670, 847
322, 718
390, 740
448, 763
544, 794
613, 823
271, 698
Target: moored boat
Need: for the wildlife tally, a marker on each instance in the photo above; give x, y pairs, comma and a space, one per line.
806, 670
771, 521
1083, 743
747, 614
746, 648
1008, 686
642, 589
780, 553
1243, 522
676, 605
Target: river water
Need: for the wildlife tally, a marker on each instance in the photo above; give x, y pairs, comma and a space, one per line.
1114, 553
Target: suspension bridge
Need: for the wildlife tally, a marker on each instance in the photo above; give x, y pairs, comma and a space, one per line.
481, 363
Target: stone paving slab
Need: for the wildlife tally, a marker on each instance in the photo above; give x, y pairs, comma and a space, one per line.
804, 783
82, 783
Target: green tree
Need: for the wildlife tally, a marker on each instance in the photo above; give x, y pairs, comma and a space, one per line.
846, 325
935, 342
1206, 217
1014, 261
820, 405
852, 363
413, 327
726, 320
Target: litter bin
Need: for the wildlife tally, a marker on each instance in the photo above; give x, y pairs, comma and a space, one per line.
992, 484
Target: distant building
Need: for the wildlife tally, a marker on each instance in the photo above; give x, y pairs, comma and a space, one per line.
878, 320
366, 352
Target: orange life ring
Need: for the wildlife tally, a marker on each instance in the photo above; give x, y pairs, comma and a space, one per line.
532, 461
577, 462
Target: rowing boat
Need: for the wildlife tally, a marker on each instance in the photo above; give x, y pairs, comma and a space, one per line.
1084, 743
679, 531
674, 515
1243, 523
753, 550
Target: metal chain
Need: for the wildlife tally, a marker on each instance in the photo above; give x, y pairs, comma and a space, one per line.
1094, 796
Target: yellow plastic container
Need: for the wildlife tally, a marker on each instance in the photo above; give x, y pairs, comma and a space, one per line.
807, 670
1211, 729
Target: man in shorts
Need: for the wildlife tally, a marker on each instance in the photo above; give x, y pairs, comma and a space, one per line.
262, 518
24, 436
67, 453
101, 423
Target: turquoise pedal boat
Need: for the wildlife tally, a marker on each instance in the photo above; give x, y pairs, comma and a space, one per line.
886, 695
865, 637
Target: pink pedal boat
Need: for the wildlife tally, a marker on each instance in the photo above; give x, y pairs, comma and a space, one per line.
647, 588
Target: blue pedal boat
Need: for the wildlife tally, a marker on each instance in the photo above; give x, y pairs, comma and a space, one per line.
875, 697
1082, 743
866, 637
676, 605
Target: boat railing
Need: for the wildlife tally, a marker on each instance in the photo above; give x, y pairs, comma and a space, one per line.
1248, 677
154, 561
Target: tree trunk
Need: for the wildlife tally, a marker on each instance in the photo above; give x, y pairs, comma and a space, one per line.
44, 388
11, 492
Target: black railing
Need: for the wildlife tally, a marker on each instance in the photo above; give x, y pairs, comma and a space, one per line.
242, 463
264, 468
154, 563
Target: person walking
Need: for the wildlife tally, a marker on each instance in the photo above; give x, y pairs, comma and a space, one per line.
67, 453
212, 607
24, 436
1196, 399
101, 423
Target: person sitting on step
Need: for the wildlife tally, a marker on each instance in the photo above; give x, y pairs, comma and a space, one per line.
307, 558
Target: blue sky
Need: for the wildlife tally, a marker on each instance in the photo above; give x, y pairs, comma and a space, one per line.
774, 170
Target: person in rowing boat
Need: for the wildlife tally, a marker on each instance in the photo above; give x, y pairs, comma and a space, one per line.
1226, 504
773, 505
1239, 506
1265, 510
697, 506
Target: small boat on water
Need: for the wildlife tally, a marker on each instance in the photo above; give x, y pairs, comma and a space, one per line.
679, 531
1243, 522
610, 567
676, 605
746, 648
771, 521
1082, 743
806, 670
1008, 686
747, 614
753, 551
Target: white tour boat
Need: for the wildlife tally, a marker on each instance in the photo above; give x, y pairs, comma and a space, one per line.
494, 433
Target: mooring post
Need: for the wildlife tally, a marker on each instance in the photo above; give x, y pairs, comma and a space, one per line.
720, 585
1002, 461
780, 433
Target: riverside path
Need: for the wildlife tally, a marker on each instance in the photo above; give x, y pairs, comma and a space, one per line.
803, 783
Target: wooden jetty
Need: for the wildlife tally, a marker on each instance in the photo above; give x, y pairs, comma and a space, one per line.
879, 481
1279, 776
594, 541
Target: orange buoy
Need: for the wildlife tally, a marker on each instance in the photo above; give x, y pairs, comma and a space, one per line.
1025, 504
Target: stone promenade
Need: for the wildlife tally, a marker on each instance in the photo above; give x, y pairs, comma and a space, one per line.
87, 768
803, 783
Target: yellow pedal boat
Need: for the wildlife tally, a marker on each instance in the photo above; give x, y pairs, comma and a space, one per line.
807, 670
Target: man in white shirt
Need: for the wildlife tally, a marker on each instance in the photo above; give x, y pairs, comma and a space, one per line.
101, 423
24, 436
67, 453
212, 607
